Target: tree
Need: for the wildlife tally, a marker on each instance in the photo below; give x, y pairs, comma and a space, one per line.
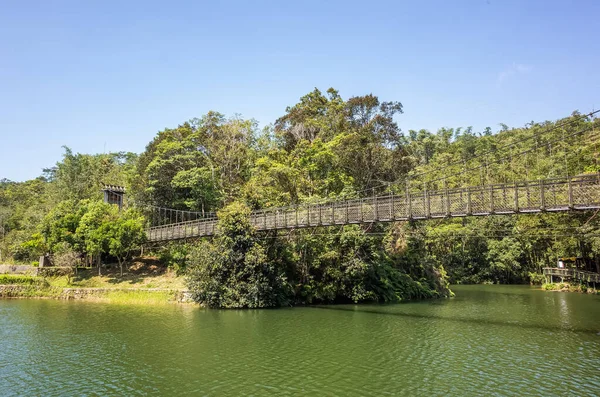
90, 232
315, 116
198, 165
61, 223
124, 234
504, 256
81, 176
94, 228
233, 270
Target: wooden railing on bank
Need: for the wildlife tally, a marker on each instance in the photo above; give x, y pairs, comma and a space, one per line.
574, 274
552, 195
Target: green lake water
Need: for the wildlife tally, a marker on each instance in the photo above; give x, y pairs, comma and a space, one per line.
489, 340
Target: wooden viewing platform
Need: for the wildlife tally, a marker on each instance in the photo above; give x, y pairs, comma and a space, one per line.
574, 274
549, 195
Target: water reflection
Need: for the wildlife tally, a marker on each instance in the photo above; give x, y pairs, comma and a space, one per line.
564, 318
507, 340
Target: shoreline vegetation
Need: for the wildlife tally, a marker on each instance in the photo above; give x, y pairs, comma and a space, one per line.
570, 287
156, 296
150, 285
146, 282
105, 295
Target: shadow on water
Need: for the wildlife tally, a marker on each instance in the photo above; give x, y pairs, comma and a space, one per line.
460, 319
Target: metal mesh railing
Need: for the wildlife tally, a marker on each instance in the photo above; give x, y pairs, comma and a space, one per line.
558, 194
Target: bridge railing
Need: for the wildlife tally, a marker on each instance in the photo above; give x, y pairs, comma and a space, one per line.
177, 231
575, 274
556, 194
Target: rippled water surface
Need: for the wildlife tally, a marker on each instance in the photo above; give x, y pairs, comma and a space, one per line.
502, 340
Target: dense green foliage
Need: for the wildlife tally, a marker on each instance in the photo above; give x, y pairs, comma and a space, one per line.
324, 147
233, 270
239, 269
62, 213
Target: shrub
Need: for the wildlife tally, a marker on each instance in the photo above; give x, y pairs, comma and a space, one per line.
30, 249
536, 278
66, 258
21, 279
175, 256
233, 270
555, 286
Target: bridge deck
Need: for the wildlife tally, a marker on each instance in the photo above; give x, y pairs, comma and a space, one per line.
575, 274
552, 195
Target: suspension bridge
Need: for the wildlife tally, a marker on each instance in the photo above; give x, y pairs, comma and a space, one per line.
575, 191
549, 195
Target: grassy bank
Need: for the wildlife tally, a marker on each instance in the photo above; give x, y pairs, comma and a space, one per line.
145, 282
570, 287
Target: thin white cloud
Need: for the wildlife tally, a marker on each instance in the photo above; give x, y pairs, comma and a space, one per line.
514, 69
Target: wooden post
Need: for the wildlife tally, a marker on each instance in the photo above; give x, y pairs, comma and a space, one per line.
427, 204
516, 198
362, 218
570, 194
542, 196
347, 204
285, 218
491, 199
447, 193
264, 220
375, 207
408, 202
296, 215
320, 219
469, 209
333, 213
308, 214
392, 206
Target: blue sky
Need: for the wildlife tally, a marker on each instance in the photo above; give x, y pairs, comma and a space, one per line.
108, 75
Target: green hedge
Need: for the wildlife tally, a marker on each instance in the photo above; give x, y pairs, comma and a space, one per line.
21, 279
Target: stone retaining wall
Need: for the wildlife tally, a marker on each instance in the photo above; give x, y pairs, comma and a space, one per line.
15, 291
83, 293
